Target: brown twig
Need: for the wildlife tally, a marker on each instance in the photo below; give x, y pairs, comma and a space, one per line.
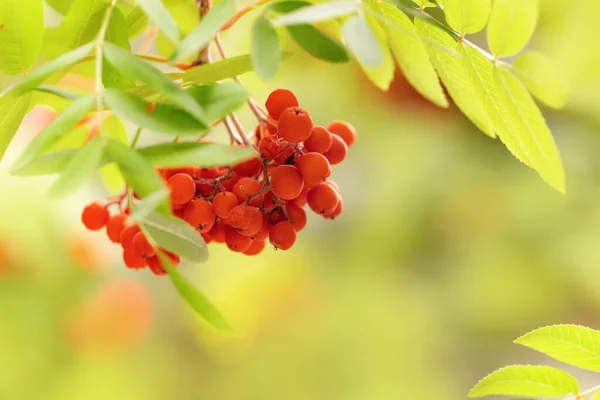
204, 54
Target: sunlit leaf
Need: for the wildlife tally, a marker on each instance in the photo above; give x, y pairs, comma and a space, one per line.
467, 16
317, 12
203, 155
219, 99
81, 24
362, 42
160, 15
318, 44
22, 34
209, 73
266, 53
511, 26
12, 112
60, 6
136, 21
114, 128
144, 208
116, 34
543, 79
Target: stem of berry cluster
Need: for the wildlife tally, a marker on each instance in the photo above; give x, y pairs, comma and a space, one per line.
586, 393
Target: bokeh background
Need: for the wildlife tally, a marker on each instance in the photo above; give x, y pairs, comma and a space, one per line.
448, 249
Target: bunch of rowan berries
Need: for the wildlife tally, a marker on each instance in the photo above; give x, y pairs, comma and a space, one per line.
261, 199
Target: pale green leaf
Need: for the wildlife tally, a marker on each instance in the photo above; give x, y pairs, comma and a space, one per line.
467, 16
203, 155
362, 42
571, 344
209, 73
137, 21
526, 380
512, 24
543, 79
219, 99
444, 54
114, 128
149, 205
160, 15
81, 24
424, 3
116, 34
12, 112
60, 6
22, 34
266, 54
318, 44
410, 54
318, 12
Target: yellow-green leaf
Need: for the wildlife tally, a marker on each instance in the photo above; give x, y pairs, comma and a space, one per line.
111, 176
12, 111
467, 16
81, 24
22, 34
410, 54
424, 3
543, 79
445, 56
511, 26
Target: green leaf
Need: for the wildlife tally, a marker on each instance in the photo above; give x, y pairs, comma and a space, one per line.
60, 6
137, 69
116, 34
571, 344
266, 53
81, 24
467, 16
543, 79
530, 137
318, 44
526, 380
46, 164
203, 155
283, 7
138, 173
362, 42
22, 34
448, 64
317, 12
114, 128
596, 397
160, 15
37, 76
175, 235
12, 112
195, 298
157, 117
424, 3
136, 21
219, 99
209, 73
410, 54
50, 134
85, 162
208, 27
149, 205
511, 26
57, 91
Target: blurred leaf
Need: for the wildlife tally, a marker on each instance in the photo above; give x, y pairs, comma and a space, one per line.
48, 136
410, 54
266, 54
571, 344
208, 27
317, 12
157, 117
219, 99
455, 78
175, 235
203, 155
362, 42
149, 205
283, 7
79, 168
81, 24
113, 127
46, 164
22, 34
12, 112
57, 91
60, 6
596, 397
139, 70
209, 73
511, 26
526, 380
424, 3
467, 16
136, 21
160, 15
527, 134
543, 79
116, 34
318, 44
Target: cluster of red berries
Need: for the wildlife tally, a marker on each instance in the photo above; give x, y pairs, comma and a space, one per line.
260, 199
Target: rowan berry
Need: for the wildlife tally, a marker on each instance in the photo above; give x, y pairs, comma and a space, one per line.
338, 150
295, 125
127, 235
237, 242
276, 216
319, 141
282, 235
256, 247
286, 153
223, 203
200, 214
301, 201
338, 210
264, 229
248, 187
207, 237
191, 171
314, 167
95, 216
287, 182
141, 246
255, 224
132, 260
240, 216
279, 100
271, 126
218, 231
115, 226
268, 201
249, 167
296, 215
269, 147
323, 198
182, 188
156, 265
344, 130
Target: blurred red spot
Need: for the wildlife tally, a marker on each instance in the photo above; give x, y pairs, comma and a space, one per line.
150, 107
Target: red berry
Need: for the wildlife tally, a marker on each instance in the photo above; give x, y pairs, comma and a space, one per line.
237, 242
282, 235
255, 224
223, 203
248, 187
142, 247
249, 167
295, 125
191, 171
256, 247
319, 141
199, 214
127, 235
287, 182
287, 151
95, 216
230, 182
240, 216
314, 167
337, 153
115, 226
156, 264
182, 188
269, 147
218, 231
344, 130
279, 100
323, 198
132, 260
264, 229
297, 216
301, 201
338, 210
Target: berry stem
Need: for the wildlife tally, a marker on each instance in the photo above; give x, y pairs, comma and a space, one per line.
241, 131
241, 12
204, 54
136, 138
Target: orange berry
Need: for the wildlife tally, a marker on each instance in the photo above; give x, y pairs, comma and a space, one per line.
297, 216
95, 216
182, 188
344, 130
323, 198
115, 226
282, 235
156, 264
127, 235
338, 150
269, 147
132, 260
276, 216
199, 214
301, 201
191, 171
314, 167
256, 222
230, 182
264, 229
240, 216
223, 203
249, 167
287, 152
207, 237
246, 187
338, 210
279, 100
319, 141
287, 182
218, 231
272, 126
268, 201
237, 242
295, 125
256, 247
142, 247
